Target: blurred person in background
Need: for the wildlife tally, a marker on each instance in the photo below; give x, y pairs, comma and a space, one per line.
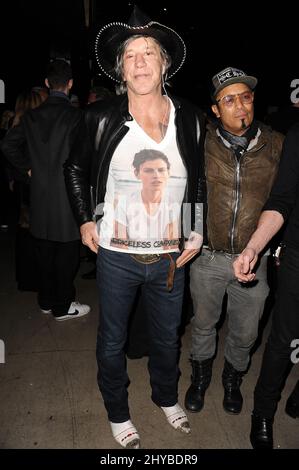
39, 144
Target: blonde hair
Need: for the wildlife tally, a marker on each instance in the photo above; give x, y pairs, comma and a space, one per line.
25, 101
6, 119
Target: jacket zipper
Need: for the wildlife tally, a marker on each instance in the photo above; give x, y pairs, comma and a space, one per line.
238, 162
185, 198
92, 202
237, 188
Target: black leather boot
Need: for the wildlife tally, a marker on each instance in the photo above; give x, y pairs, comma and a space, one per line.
200, 378
292, 404
261, 435
231, 380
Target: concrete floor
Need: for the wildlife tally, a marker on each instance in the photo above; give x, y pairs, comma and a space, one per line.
49, 396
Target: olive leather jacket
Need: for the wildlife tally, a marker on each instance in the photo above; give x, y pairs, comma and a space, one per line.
238, 190
98, 135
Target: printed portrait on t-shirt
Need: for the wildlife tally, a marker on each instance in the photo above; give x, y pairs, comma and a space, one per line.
148, 214
144, 194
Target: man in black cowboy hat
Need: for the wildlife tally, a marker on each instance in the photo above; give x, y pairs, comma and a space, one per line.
138, 55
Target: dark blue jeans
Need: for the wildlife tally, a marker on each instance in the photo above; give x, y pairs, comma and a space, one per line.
285, 328
118, 278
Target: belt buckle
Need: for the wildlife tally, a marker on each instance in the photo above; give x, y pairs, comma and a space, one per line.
147, 258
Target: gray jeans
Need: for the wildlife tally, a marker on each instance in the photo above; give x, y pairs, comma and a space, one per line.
212, 276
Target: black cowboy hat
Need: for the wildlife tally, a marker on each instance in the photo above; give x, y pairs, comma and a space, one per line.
112, 35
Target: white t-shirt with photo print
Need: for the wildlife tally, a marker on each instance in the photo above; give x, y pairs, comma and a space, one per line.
128, 225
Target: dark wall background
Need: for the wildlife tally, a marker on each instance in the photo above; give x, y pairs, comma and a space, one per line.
233, 34
33, 32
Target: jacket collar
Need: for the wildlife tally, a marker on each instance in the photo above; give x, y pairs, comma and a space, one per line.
263, 136
59, 94
58, 99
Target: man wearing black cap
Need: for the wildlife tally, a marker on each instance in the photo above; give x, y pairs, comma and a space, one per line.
139, 56
242, 157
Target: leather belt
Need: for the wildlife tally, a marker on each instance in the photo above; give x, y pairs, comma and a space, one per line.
154, 258
146, 259
221, 252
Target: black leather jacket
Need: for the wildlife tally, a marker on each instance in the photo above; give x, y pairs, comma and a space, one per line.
98, 135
